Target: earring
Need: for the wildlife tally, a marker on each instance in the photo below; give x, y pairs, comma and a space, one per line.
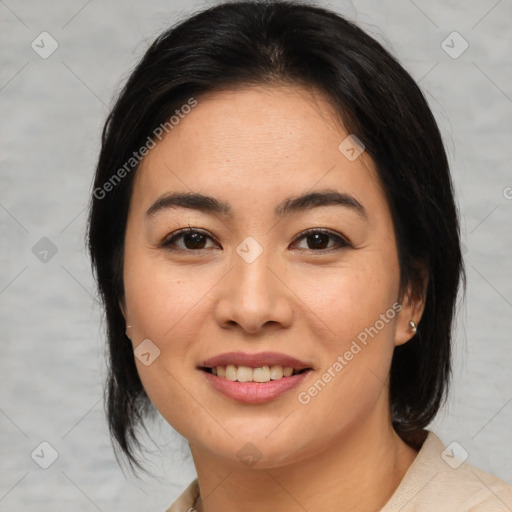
126, 332
412, 326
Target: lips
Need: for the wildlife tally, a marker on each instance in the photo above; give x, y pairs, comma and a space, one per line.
245, 377
255, 360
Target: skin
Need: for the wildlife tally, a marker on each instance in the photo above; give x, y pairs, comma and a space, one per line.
252, 148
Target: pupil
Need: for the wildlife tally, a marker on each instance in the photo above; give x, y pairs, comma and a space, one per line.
194, 240
320, 241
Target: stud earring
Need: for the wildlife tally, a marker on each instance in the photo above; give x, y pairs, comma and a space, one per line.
412, 326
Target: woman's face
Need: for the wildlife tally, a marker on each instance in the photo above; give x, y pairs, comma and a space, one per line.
315, 279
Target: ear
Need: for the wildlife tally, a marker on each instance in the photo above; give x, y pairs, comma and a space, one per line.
413, 305
122, 308
123, 311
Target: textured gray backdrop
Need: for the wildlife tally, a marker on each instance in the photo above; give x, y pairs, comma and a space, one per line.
53, 106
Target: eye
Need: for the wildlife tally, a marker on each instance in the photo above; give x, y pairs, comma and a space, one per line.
319, 239
191, 239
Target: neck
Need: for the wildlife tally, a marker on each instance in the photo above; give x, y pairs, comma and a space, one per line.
357, 471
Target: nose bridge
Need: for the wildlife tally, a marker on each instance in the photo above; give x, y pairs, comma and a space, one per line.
252, 277
252, 296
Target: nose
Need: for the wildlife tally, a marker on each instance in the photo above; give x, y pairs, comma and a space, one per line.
253, 297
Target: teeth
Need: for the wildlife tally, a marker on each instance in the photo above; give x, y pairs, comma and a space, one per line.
248, 374
261, 374
276, 372
287, 371
231, 372
244, 374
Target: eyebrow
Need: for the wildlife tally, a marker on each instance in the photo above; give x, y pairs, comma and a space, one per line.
208, 204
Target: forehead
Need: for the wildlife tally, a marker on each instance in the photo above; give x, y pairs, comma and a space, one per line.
264, 139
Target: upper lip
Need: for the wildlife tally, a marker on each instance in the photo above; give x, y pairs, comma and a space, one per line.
255, 360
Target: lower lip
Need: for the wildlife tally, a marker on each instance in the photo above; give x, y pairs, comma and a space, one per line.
254, 392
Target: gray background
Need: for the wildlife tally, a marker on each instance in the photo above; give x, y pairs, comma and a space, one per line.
52, 347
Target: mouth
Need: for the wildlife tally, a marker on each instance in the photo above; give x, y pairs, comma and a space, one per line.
254, 378
258, 367
261, 374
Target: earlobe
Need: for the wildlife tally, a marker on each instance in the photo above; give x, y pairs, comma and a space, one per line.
128, 327
404, 335
405, 330
413, 306
409, 318
121, 307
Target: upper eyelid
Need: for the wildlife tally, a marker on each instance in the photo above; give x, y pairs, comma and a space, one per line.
184, 231
322, 231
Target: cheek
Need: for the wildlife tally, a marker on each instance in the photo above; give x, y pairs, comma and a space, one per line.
356, 361
351, 298
357, 304
164, 306
162, 300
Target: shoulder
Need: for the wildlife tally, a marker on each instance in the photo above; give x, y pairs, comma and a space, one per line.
187, 499
438, 480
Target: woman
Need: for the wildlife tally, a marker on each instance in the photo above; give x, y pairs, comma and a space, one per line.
275, 239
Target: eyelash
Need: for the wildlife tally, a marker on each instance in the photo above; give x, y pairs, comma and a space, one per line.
342, 242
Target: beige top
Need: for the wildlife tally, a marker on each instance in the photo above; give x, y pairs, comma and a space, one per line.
436, 481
